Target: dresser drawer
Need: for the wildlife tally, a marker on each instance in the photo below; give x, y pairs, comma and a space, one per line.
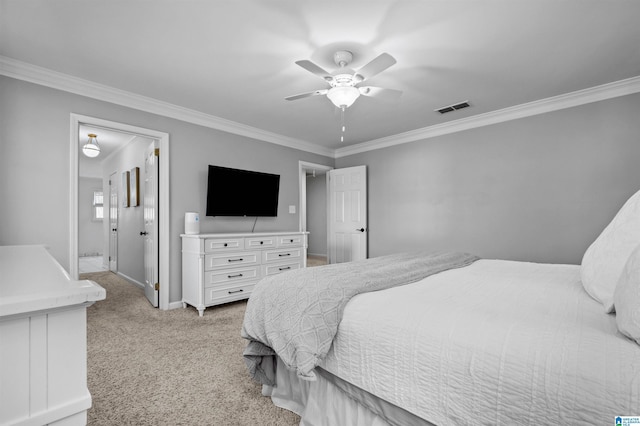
224, 267
289, 240
226, 276
214, 295
229, 260
259, 243
222, 244
270, 256
279, 268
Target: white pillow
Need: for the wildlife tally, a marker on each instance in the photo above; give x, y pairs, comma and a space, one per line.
604, 260
627, 298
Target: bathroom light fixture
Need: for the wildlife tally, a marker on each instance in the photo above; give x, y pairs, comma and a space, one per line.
91, 148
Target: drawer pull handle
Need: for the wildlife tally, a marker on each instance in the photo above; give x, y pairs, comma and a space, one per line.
284, 269
235, 260
284, 254
234, 276
225, 244
236, 291
290, 241
261, 242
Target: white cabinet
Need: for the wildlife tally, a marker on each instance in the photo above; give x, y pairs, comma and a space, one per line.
221, 268
43, 340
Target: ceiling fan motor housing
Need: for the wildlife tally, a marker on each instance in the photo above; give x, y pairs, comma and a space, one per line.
342, 77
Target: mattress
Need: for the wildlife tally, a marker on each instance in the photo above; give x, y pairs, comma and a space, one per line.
496, 342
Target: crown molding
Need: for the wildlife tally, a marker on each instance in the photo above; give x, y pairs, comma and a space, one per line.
568, 100
45, 77
56, 80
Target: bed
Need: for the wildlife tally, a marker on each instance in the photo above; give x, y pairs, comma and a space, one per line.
473, 341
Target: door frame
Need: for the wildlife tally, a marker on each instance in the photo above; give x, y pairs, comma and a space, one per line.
303, 167
163, 182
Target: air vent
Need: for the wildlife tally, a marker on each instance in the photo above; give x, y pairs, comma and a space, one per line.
453, 107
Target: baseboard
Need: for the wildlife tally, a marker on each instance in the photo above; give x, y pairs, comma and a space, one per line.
175, 305
68, 412
172, 305
131, 280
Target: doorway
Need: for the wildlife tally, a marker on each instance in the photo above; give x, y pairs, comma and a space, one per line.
313, 210
163, 190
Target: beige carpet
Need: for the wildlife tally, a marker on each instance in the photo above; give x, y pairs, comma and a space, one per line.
316, 260
152, 367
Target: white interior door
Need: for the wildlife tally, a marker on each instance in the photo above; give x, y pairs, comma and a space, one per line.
113, 222
347, 214
150, 233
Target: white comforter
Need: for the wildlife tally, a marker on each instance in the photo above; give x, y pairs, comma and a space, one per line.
496, 342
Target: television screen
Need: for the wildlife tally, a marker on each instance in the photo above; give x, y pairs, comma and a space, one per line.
235, 192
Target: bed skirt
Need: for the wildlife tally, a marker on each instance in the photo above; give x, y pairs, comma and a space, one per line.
331, 401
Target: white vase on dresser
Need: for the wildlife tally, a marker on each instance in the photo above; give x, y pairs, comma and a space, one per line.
43, 339
222, 268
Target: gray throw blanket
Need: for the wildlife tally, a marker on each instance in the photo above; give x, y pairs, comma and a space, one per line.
295, 315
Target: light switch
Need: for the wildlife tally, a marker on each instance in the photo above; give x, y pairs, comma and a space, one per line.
292, 209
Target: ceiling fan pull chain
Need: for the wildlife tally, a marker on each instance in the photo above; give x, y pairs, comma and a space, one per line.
343, 127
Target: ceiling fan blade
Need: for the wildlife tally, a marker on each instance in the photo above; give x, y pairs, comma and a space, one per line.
308, 94
380, 93
377, 65
315, 69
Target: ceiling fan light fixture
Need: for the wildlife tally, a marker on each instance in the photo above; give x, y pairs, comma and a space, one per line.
343, 96
91, 149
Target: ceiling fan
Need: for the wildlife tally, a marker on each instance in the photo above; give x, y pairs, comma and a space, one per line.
343, 82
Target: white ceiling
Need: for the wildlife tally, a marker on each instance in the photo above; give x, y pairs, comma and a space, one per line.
235, 59
110, 141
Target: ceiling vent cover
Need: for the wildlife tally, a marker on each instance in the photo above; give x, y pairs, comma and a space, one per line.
454, 107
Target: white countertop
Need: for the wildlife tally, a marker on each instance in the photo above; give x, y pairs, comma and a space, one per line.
241, 234
31, 280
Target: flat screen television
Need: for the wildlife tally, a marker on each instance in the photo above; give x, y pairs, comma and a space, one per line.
235, 192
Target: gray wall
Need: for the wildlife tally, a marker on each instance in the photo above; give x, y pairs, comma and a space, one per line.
36, 115
34, 168
317, 214
130, 219
205, 147
90, 239
538, 189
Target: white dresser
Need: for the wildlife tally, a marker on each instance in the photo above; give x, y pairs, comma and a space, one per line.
43, 340
221, 268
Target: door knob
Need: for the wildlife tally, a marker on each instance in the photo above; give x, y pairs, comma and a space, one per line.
144, 233
361, 229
